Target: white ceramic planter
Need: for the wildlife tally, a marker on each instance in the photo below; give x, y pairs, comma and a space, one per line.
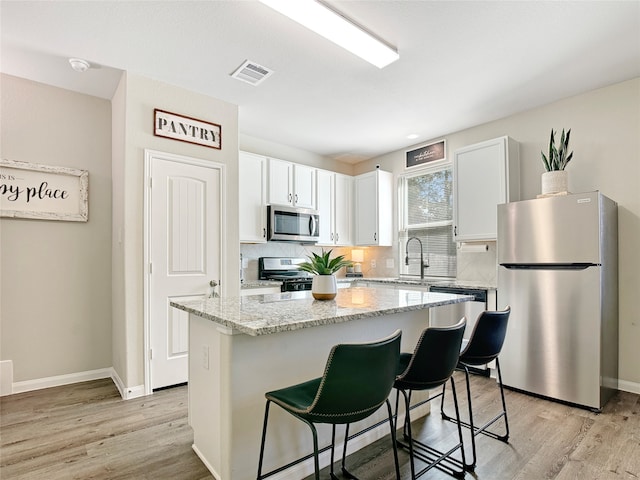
556, 181
324, 287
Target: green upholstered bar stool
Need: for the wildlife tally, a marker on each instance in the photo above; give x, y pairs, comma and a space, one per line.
357, 380
484, 346
430, 366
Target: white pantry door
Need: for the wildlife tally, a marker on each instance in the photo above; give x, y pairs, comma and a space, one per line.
184, 253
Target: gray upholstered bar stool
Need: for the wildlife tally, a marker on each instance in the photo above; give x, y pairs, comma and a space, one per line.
430, 366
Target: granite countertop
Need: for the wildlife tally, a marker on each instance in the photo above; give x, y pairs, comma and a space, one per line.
480, 285
248, 284
279, 312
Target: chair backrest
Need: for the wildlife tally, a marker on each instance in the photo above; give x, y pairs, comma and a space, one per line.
434, 359
357, 379
487, 337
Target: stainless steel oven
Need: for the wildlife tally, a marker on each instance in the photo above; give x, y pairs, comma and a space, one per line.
291, 224
285, 270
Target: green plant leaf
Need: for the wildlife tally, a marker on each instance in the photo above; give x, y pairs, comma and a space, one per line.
323, 264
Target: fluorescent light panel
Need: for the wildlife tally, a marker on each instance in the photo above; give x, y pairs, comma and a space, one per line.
332, 26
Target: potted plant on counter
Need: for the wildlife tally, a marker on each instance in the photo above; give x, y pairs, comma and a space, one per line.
324, 285
555, 180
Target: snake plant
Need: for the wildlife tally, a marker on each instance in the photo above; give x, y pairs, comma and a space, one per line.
323, 264
558, 157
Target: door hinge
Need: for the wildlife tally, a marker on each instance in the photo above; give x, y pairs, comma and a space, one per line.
150, 182
151, 354
150, 268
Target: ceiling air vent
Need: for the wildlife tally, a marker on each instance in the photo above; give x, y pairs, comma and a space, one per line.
251, 72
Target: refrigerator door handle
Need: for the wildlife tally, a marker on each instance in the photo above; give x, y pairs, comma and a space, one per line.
542, 266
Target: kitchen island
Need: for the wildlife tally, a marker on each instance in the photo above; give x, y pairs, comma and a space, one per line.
242, 347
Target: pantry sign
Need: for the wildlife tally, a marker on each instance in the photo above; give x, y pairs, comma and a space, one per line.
187, 129
43, 192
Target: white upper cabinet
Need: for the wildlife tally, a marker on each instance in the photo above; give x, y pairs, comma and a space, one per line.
252, 205
374, 208
335, 207
291, 184
484, 175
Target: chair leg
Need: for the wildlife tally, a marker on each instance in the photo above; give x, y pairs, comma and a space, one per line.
316, 462
333, 444
459, 423
505, 437
407, 432
314, 432
264, 436
393, 440
483, 429
470, 466
345, 472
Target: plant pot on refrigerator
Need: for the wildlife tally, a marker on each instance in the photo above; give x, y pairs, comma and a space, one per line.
555, 182
324, 287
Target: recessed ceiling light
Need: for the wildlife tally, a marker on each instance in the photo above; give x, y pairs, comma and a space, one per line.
412, 136
79, 65
333, 26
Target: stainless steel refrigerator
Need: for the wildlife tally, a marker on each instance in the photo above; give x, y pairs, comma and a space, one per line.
558, 270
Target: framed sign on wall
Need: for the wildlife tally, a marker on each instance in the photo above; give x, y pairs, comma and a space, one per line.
187, 129
43, 192
426, 153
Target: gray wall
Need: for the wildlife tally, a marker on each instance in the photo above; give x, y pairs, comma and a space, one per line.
133, 107
56, 276
605, 138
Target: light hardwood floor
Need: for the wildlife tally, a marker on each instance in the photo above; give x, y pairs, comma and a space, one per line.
85, 431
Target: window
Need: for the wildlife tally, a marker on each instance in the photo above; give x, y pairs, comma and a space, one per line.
426, 212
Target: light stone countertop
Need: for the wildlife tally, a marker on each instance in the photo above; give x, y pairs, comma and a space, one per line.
427, 282
249, 284
264, 314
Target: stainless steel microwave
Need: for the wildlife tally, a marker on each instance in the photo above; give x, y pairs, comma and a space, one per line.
291, 224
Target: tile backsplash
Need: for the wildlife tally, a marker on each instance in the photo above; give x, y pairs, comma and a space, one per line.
478, 266
471, 266
383, 257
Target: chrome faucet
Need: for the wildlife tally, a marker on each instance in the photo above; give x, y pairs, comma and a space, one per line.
422, 264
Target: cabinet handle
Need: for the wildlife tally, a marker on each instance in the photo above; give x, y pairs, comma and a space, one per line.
296, 198
375, 237
331, 236
290, 197
337, 237
264, 233
455, 231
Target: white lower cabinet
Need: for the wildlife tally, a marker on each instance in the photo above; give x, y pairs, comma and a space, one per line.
335, 208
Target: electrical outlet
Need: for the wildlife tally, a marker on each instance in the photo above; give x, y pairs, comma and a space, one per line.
373, 263
205, 357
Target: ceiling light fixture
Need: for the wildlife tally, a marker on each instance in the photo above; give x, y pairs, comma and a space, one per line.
79, 65
412, 136
331, 25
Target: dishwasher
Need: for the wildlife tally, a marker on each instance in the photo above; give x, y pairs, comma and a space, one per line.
450, 314
483, 299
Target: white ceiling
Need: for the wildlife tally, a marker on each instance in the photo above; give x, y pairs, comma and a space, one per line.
461, 63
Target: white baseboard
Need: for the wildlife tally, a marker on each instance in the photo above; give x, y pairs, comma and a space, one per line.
58, 380
127, 393
630, 387
8, 387
206, 463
